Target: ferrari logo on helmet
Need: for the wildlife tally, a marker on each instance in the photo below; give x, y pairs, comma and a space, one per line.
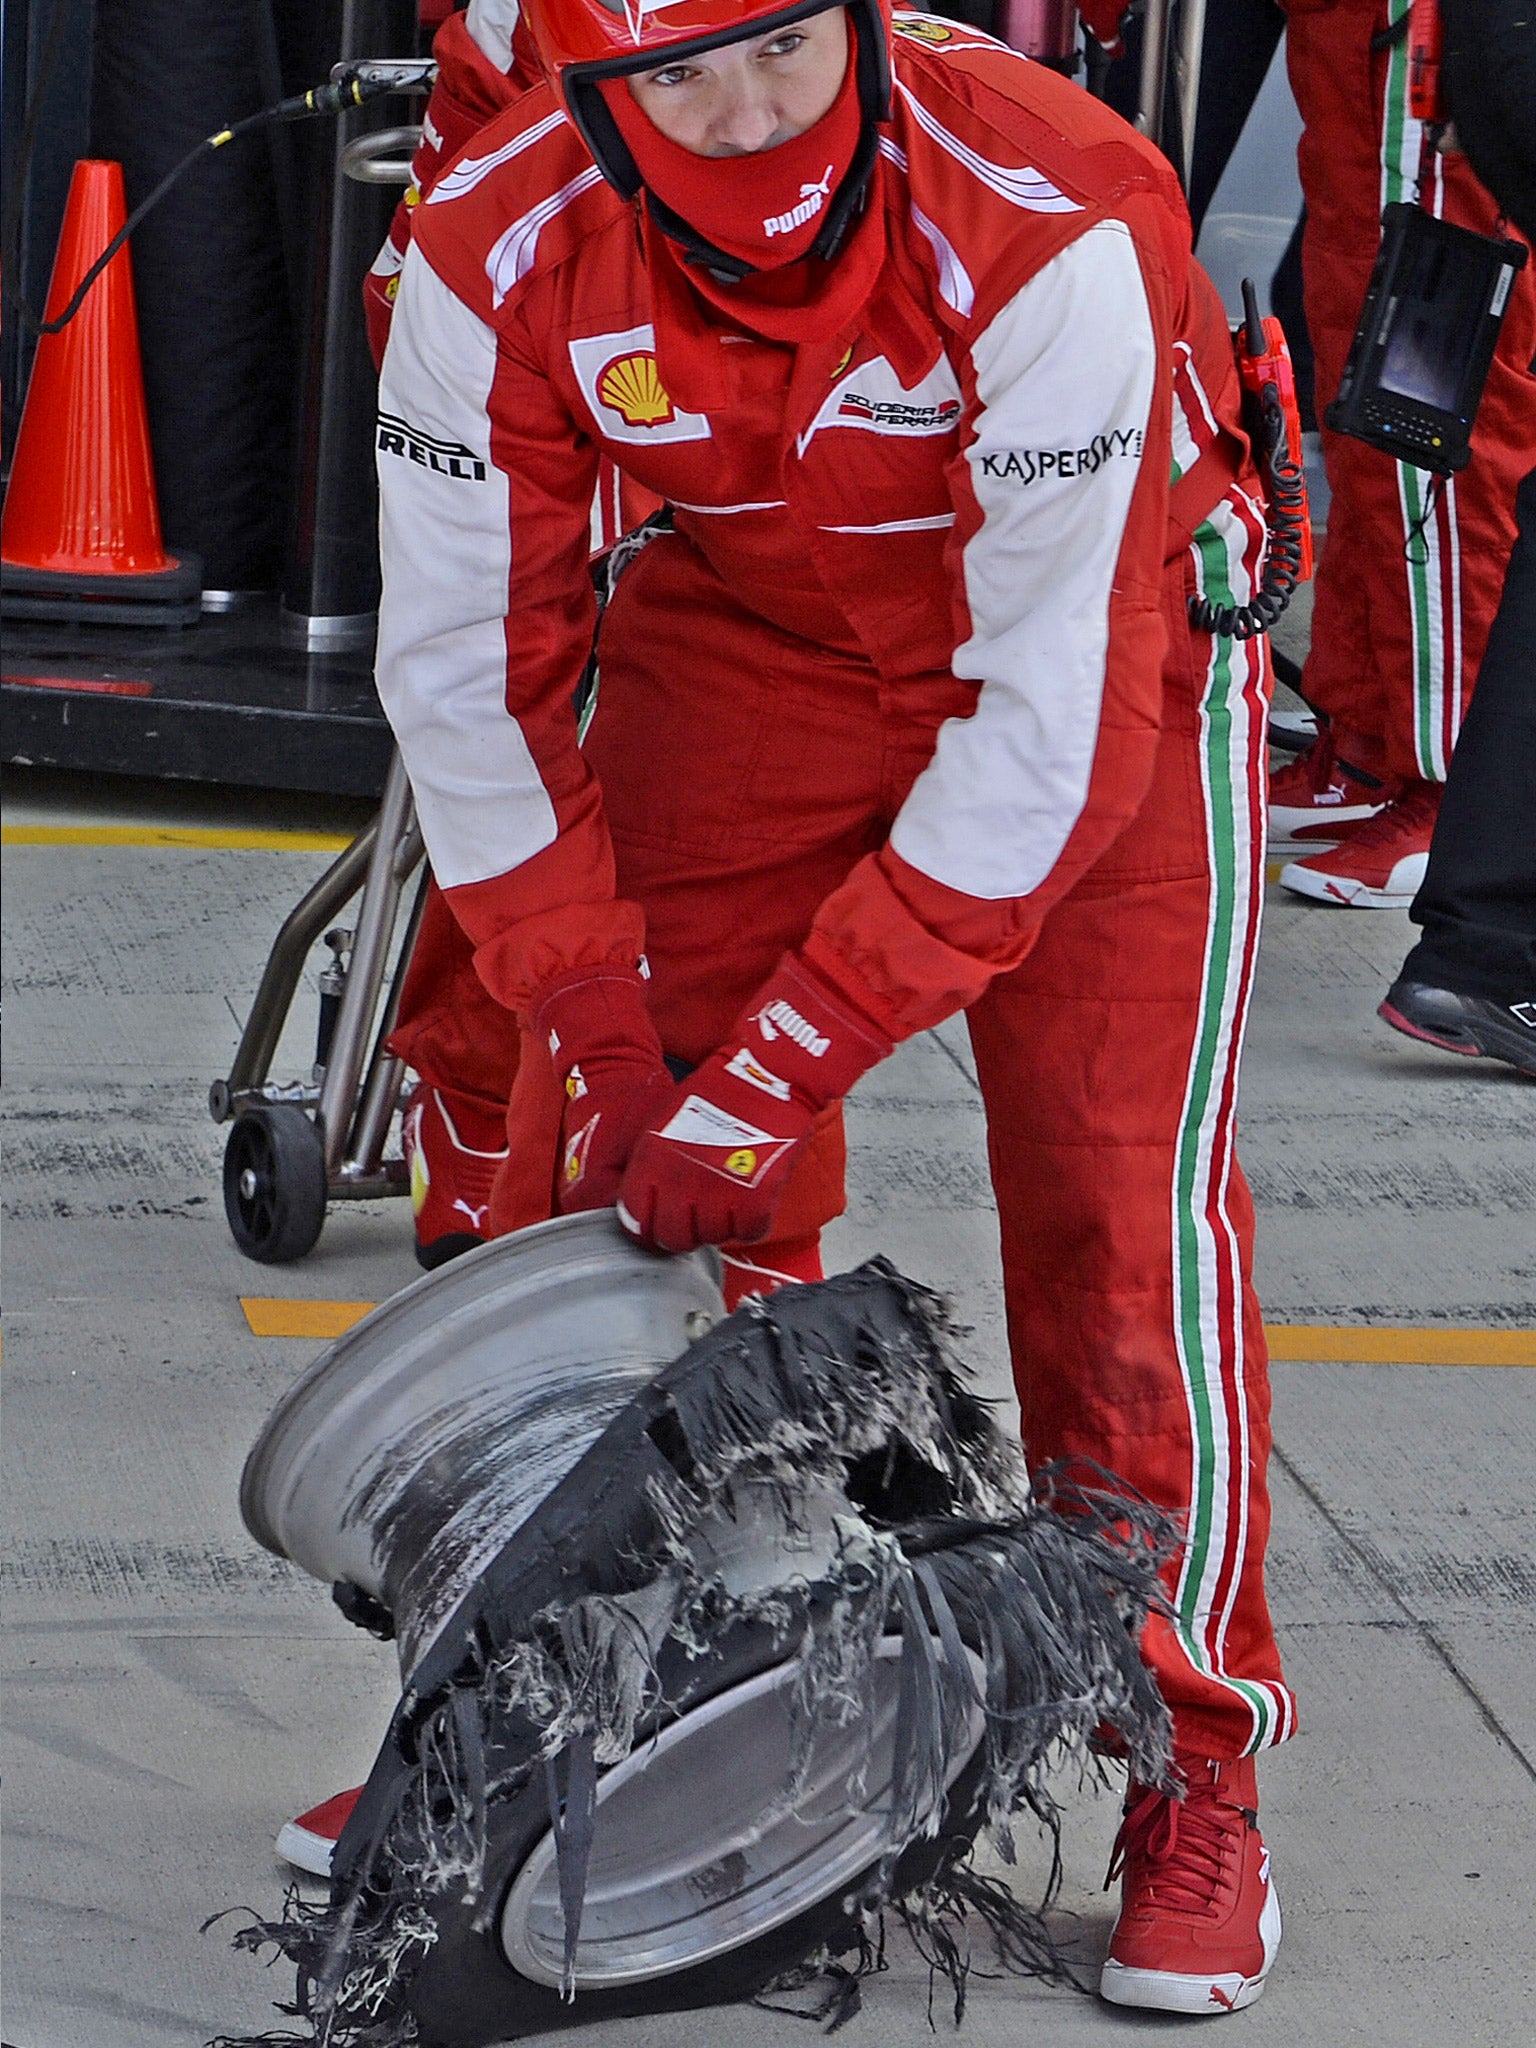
633, 387
635, 12
922, 30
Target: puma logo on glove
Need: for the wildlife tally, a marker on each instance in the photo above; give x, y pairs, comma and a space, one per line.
712, 1168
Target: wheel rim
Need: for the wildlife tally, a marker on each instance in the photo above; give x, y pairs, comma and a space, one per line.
707, 1837
254, 1177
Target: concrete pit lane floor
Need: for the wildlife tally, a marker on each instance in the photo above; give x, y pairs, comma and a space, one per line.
174, 1693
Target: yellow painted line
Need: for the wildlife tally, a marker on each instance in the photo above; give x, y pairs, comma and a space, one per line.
1318, 1343
270, 1316
1356, 1344
174, 835
1272, 869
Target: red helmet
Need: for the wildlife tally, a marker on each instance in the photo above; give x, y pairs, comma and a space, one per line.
581, 41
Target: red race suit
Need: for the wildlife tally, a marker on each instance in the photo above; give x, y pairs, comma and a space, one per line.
912, 687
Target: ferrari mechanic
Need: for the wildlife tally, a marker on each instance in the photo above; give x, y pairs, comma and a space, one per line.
903, 714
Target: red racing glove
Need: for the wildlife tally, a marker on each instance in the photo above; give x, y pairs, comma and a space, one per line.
712, 1166
608, 1060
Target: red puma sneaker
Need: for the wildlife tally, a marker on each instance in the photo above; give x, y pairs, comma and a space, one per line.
308, 1841
1199, 1917
453, 1145
1379, 865
1317, 797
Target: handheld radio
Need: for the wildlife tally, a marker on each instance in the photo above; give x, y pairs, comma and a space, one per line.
1272, 419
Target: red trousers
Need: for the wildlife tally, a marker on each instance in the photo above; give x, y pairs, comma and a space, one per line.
744, 772
1412, 568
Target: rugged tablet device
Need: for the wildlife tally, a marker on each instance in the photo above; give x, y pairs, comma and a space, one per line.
1426, 337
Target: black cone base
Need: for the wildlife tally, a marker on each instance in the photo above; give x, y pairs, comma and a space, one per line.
171, 597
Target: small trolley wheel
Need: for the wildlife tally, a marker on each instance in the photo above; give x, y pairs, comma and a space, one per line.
274, 1183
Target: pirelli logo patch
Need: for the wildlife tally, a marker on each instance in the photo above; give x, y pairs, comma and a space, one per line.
448, 458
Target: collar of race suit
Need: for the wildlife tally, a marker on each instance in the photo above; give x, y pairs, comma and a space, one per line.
816, 311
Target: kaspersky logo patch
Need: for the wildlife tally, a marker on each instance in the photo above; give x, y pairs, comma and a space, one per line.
632, 386
620, 381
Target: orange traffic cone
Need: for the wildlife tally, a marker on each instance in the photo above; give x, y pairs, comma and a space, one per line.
80, 539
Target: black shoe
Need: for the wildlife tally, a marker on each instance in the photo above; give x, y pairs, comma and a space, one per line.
1465, 1024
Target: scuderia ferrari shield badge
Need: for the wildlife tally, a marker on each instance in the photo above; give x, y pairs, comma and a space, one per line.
726, 1144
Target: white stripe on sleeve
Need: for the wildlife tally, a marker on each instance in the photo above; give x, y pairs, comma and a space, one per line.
1065, 376
446, 551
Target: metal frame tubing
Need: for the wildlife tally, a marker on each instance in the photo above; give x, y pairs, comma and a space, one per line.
365, 972
1160, 45
1154, 69
381, 1083
274, 997
1186, 73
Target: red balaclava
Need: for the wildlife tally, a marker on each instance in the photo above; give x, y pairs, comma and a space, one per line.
765, 209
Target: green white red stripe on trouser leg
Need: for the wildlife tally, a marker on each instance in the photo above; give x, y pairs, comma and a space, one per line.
1413, 566
1127, 1232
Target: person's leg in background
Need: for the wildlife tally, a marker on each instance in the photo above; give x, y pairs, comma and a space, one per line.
1412, 568
463, 1047
1469, 985
1108, 1062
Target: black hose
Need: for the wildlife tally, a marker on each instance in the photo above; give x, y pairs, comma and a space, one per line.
1287, 513
321, 99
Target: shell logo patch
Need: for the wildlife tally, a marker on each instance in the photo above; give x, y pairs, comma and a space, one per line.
618, 379
632, 386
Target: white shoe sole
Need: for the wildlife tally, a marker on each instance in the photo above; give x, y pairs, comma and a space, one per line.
1346, 894
304, 1850
1208, 1997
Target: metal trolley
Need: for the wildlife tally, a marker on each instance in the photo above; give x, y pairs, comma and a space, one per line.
295, 1147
